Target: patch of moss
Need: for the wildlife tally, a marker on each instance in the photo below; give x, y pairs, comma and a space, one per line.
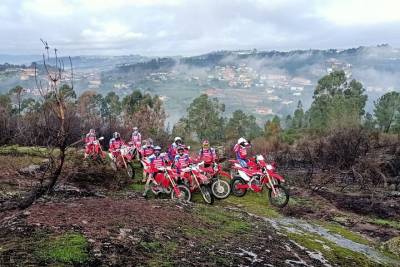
69, 248
256, 203
137, 187
332, 252
161, 253
26, 150
222, 224
386, 223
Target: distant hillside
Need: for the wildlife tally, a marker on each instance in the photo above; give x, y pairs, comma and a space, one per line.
259, 82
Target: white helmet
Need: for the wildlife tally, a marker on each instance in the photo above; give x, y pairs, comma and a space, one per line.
177, 139
242, 140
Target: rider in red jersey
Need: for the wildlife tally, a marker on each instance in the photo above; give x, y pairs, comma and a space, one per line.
207, 154
136, 138
240, 150
156, 161
115, 144
89, 139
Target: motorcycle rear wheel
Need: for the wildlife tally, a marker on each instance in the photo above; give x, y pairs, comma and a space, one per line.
281, 199
238, 192
220, 189
206, 193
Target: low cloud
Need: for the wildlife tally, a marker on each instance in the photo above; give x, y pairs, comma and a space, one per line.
172, 27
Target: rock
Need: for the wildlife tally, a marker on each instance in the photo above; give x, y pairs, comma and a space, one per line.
26, 213
30, 170
123, 233
393, 245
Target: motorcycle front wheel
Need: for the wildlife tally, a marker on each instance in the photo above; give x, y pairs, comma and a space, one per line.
220, 189
130, 170
184, 193
113, 165
281, 198
207, 194
236, 191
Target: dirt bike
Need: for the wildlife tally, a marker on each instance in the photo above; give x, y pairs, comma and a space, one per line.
124, 160
219, 187
96, 154
164, 182
258, 175
146, 165
195, 179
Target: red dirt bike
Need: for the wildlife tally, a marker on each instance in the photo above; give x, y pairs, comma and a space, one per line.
96, 154
256, 176
220, 188
195, 179
124, 160
165, 182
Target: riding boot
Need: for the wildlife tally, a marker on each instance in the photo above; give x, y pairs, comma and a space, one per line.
147, 186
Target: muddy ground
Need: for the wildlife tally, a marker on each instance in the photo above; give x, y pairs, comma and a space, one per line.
100, 219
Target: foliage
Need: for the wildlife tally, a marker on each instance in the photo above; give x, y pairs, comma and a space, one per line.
387, 111
337, 102
242, 125
298, 117
204, 118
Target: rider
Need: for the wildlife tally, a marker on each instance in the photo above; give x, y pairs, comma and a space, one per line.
136, 137
89, 139
148, 148
156, 161
147, 151
207, 154
240, 150
115, 144
172, 150
182, 160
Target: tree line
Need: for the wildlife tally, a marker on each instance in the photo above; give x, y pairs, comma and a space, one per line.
28, 121
337, 103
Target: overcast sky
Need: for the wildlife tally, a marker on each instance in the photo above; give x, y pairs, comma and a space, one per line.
179, 27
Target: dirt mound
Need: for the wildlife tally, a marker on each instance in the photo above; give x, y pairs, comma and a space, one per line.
384, 207
129, 231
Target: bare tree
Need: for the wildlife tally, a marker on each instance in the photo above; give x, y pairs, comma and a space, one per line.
54, 116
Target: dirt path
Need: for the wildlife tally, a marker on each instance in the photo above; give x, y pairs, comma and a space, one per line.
130, 231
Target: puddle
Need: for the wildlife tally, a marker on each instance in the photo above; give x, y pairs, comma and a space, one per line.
294, 225
298, 226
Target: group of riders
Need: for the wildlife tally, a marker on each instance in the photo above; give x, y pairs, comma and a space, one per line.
177, 154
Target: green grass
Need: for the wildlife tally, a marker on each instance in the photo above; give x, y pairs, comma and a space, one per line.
336, 228
137, 187
161, 253
221, 224
68, 248
256, 203
330, 251
386, 223
24, 150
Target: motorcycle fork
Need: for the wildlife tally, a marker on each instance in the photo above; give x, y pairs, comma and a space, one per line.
174, 187
196, 181
123, 160
271, 184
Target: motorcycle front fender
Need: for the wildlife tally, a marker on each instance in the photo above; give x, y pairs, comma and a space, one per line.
277, 177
